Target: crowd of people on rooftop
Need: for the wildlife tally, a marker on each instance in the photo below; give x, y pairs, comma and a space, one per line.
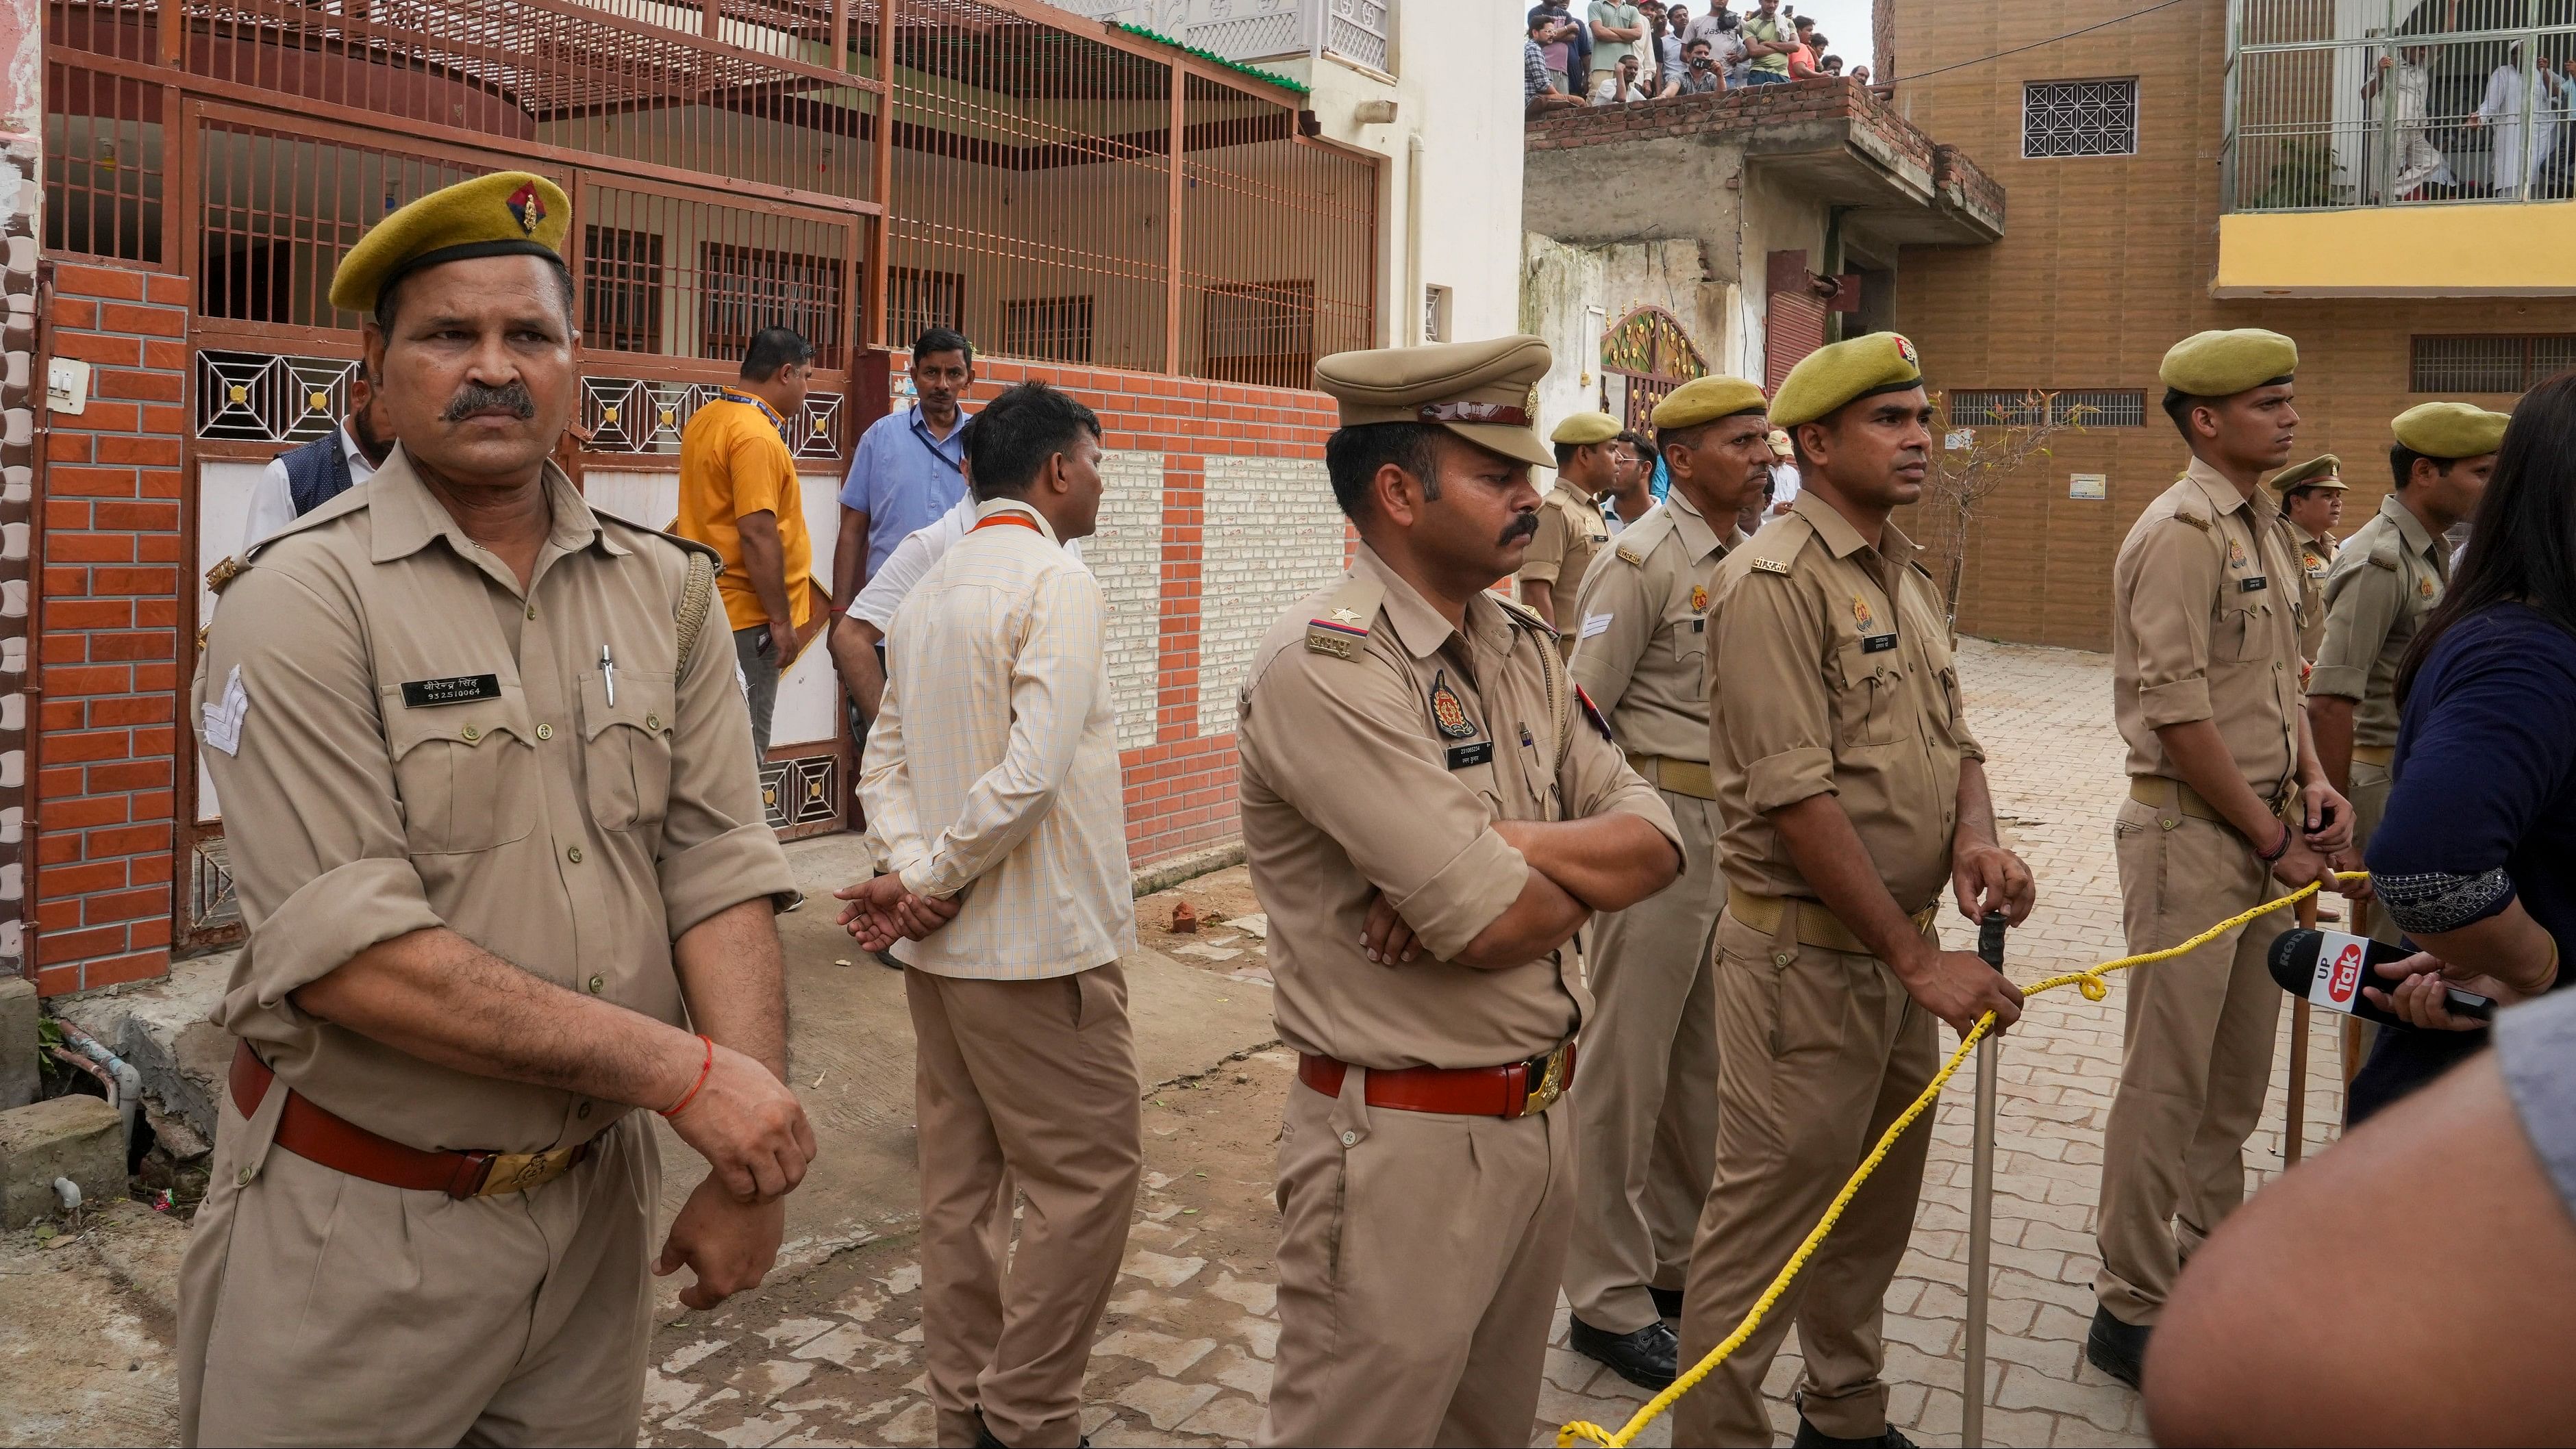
1615, 52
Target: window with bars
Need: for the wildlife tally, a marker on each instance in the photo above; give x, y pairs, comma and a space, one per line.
2020, 408
2097, 117
918, 300
621, 294
2504, 363
1052, 329
749, 288
1262, 333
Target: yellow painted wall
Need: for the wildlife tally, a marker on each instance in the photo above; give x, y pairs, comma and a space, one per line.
2485, 249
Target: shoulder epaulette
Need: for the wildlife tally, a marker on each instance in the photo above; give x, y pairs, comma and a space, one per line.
1525, 615
2194, 519
2384, 550
346, 502
1342, 625
686, 545
1769, 566
1916, 564
224, 572
1629, 555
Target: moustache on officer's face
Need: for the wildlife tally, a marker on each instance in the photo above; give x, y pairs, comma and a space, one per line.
1523, 525
511, 397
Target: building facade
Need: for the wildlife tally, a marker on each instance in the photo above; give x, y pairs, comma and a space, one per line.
2231, 163
1734, 232
1170, 236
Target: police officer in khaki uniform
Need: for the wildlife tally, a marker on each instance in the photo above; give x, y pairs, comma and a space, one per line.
2392, 573
1571, 530
506, 880
1649, 1099
2227, 808
1849, 792
2310, 495
1430, 812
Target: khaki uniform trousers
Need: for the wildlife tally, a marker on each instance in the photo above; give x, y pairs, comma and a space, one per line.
1818, 1051
320, 1308
1646, 1090
2197, 1052
2369, 802
1026, 1089
1418, 1262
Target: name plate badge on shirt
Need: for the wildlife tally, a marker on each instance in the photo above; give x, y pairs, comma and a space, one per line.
455, 689
2254, 585
1877, 643
1479, 753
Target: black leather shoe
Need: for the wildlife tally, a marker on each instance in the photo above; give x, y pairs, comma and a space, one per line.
1811, 1437
2116, 1348
1644, 1358
1668, 1302
984, 1437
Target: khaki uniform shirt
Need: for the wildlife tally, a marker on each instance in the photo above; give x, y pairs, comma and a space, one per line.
403, 738
2392, 572
1839, 680
1378, 746
1641, 649
1570, 533
2314, 557
2203, 627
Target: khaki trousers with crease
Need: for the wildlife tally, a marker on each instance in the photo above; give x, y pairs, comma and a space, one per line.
2197, 1056
1646, 1087
1024, 1089
320, 1308
1418, 1263
1818, 1051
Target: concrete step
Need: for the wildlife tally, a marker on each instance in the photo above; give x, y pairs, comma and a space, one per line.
165, 1029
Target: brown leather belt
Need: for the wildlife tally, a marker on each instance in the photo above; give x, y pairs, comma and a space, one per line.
1815, 925
1523, 1089
2381, 755
320, 1136
1682, 777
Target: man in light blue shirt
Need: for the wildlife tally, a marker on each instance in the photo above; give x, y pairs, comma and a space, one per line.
909, 466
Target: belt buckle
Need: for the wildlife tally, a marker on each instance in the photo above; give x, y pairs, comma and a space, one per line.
510, 1172
1549, 1071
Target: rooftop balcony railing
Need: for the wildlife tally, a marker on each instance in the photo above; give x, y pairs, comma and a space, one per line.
1260, 30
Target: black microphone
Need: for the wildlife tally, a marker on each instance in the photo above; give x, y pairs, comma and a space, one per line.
2329, 968
1990, 938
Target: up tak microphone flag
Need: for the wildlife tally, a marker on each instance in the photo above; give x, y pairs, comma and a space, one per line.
2330, 968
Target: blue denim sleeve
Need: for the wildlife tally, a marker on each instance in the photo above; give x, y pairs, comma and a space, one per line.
857, 490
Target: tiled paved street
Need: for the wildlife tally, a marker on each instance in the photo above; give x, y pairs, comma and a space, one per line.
834, 1355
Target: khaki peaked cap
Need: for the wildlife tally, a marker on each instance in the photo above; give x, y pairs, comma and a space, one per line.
1829, 377
1485, 392
2223, 364
2449, 430
2323, 471
1706, 399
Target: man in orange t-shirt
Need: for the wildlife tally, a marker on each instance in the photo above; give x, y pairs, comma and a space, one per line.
739, 495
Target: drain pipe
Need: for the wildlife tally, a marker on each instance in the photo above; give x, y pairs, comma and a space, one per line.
124, 1083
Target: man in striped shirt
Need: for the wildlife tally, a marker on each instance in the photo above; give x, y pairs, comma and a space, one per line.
997, 822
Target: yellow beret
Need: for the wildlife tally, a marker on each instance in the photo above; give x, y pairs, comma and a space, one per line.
508, 213
2322, 471
2450, 430
2223, 364
1585, 428
1485, 392
1832, 376
1705, 400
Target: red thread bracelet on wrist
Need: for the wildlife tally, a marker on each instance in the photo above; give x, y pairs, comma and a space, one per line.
691, 1095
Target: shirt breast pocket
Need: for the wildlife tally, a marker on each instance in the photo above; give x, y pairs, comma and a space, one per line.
466, 774
1865, 695
626, 749
2239, 634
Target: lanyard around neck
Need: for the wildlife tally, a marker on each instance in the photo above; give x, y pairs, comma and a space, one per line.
1014, 520
766, 411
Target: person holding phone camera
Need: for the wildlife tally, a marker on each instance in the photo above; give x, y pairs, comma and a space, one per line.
1700, 75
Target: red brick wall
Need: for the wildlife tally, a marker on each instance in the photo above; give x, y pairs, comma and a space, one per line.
1180, 789
108, 632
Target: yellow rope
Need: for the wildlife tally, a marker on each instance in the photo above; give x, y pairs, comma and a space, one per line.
2089, 982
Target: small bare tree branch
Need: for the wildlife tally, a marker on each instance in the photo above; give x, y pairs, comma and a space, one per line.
2003, 438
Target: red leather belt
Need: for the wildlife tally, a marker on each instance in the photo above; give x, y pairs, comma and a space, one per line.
1521, 1089
319, 1136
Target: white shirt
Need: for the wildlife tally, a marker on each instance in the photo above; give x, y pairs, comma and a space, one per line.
1784, 482
272, 498
876, 604
994, 760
